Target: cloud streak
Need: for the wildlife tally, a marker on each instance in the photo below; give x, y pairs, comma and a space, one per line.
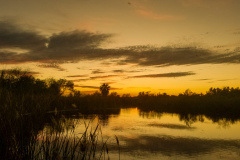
51, 65
164, 75
103, 77
95, 87
205, 3
146, 12
76, 76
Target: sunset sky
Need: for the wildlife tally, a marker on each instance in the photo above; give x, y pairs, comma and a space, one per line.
134, 45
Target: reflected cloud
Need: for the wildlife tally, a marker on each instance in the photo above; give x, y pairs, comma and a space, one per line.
171, 126
170, 145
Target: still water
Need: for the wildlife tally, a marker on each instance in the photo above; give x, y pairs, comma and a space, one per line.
152, 135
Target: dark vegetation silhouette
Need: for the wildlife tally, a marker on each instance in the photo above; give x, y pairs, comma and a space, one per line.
27, 104
104, 88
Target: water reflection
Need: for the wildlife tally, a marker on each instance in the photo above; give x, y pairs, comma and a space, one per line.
171, 126
179, 136
153, 135
190, 119
171, 145
150, 114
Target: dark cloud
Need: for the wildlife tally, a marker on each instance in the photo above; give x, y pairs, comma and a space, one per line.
18, 72
76, 76
75, 46
76, 40
51, 65
14, 36
62, 47
118, 71
128, 71
97, 71
237, 32
166, 56
7, 57
91, 87
162, 75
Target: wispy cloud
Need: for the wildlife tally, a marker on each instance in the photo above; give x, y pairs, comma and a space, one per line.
144, 11
167, 56
205, 3
76, 76
204, 79
118, 71
51, 65
155, 16
97, 71
171, 126
90, 87
18, 71
127, 71
104, 77
164, 75
80, 80
178, 145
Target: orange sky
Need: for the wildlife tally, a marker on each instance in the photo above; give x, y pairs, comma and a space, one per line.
135, 45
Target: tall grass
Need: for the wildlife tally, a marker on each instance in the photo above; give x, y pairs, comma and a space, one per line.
70, 146
20, 140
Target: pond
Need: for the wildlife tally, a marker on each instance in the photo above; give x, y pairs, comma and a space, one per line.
154, 135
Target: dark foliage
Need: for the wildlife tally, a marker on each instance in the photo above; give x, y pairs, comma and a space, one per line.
104, 88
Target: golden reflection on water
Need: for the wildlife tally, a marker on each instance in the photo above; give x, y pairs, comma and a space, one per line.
164, 134
132, 123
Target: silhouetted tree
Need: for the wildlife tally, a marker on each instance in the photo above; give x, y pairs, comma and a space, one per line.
58, 87
188, 92
96, 93
114, 94
104, 88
